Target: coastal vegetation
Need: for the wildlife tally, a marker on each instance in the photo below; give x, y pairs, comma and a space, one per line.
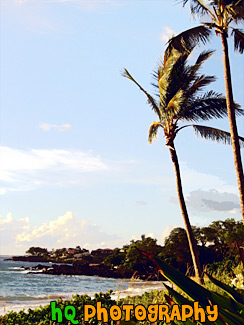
220, 245
221, 303
181, 98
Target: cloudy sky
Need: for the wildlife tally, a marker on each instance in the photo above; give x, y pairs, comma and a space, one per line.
75, 164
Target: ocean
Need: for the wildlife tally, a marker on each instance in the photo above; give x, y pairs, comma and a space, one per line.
20, 290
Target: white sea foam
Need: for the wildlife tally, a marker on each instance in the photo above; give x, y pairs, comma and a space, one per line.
29, 271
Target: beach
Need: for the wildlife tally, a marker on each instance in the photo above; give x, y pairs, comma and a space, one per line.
22, 290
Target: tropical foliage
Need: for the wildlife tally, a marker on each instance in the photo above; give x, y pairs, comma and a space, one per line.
37, 251
185, 292
135, 261
230, 303
219, 246
181, 99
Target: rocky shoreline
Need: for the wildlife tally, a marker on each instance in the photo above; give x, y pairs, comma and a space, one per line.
75, 268
35, 259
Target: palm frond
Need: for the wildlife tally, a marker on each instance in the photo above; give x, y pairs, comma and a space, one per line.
153, 130
171, 77
213, 134
187, 40
193, 79
199, 83
208, 106
150, 99
236, 10
211, 25
238, 39
203, 56
197, 7
174, 106
238, 3
170, 61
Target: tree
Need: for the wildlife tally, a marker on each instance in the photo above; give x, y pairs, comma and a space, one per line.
219, 246
176, 250
180, 99
37, 251
224, 234
59, 252
134, 260
116, 258
221, 14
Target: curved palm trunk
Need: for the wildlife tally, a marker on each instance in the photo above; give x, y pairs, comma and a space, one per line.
232, 122
190, 236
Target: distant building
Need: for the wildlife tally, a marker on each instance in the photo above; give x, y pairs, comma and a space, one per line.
78, 255
72, 250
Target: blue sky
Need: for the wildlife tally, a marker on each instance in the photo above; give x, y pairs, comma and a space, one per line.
76, 167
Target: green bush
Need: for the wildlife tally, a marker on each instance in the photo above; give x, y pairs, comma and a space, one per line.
230, 303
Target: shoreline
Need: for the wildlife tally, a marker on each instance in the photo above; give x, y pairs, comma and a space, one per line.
95, 283
76, 268
135, 287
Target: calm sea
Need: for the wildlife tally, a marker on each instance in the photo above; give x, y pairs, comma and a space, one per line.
19, 290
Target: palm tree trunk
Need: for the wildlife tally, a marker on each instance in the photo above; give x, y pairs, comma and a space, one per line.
232, 122
190, 236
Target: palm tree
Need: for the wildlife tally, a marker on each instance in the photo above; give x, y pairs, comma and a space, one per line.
180, 98
221, 14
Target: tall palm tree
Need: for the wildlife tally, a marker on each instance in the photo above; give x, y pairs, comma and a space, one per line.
180, 98
222, 15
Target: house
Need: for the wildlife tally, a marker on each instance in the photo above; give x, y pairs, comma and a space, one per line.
72, 251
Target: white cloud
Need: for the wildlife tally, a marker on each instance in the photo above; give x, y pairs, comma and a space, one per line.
213, 200
167, 34
166, 233
27, 169
9, 228
204, 206
48, 127
65, 231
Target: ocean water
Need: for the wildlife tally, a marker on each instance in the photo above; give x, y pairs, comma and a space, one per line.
19, 290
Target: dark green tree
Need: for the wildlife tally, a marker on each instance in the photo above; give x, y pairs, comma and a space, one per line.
176, 250
134, 260
116, 258
37, 251
224, 234
59, 252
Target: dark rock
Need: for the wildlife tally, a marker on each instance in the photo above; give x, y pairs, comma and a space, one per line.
29, 258
78, 268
